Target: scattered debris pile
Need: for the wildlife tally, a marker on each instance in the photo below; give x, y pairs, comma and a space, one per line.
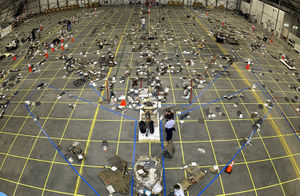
147, 175
76, 152
288, 62
169, 149
196, 174
116, 177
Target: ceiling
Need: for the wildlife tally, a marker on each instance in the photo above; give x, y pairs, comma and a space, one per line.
290, 6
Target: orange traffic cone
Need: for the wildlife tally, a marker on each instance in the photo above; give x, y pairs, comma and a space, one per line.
223, 23
229, 168
62, 47
123, 103
72, 39
41, 27
61, 40
252, 29
248, 66
14, 58
46, 55
271, 40
206, 14
29, 68
282, 57
52, 49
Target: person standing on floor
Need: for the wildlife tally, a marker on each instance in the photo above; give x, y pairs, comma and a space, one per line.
33, 34
170, 127
69, 26
38, 33
143, 23
178, 190
169, 114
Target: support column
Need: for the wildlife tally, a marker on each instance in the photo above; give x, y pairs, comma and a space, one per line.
40, 9
48, 4
238, 5
227, 4
262, 13
67, 2
57, 3
251, 2
277, 18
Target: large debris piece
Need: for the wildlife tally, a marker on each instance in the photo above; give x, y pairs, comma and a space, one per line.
148, 175
116, 177
196, 175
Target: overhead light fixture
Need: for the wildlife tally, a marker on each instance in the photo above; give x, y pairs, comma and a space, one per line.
295, 27
286, 25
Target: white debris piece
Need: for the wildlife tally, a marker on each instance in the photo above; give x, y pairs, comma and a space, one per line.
201, 150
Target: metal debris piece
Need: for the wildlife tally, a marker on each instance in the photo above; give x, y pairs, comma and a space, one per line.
76, 151
117, 180
196, 175
104, 145
169, 149
214, 169
185, 115
148, 174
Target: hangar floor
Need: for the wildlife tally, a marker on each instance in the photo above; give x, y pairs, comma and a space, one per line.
30, 165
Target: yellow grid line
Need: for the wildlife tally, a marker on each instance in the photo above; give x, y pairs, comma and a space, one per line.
21, 60
122, 117
163, 77
194, 141
258, 100
233, 129
66, 126
261, 188
166, 103
35, 187
179, 168
174, 102
282, 140
18, 133
31, 150
97, 109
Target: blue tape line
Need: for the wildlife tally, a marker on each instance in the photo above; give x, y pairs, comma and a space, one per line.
269, 96
210, 84
133, 156
92, 87
29, 98
92, 103
202, 105
232, 157
60, 151
261, 86
162, 157
234, 52
24, 82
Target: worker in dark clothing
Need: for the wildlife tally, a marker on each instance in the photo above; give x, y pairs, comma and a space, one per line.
169, 114
69, 27
33, 34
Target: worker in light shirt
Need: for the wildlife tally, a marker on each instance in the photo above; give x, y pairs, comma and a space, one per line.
143, 23
170, 127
